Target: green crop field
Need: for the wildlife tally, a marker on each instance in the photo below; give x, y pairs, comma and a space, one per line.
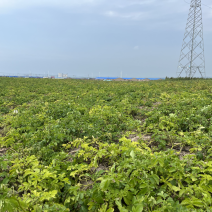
80, 145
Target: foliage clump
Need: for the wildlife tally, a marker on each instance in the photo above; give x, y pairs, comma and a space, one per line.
77, 145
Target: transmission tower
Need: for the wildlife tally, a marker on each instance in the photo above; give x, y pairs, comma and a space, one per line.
192, 58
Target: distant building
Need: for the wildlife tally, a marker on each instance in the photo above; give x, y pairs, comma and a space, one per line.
60, 75
65, 75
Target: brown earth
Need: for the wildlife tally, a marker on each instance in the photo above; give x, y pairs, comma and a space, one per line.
133, 79
119, 79
3, 151
145, 80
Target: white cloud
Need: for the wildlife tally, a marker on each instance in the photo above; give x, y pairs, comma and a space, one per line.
164, 12
127, 15
129, 3
136, 47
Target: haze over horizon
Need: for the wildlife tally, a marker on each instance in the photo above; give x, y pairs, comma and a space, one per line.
140, 38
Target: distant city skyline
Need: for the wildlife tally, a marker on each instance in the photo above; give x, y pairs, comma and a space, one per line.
68, 75
140, 38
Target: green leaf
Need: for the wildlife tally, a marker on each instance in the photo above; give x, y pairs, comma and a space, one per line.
182, 191
128, 198
161, 161
193, 178
159, 201
198, 203
121, 209
83, 209
132, 154
143, 191
156, 178
99, 199
175, 188
95, 162
110, 210
105, 184
113, 168
138, 208
103, 208
172, 169
143, 185
10, 204
186, 202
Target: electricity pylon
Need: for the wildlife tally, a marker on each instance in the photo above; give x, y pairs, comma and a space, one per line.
192, 58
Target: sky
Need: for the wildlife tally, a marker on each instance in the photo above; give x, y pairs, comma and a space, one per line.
91, 38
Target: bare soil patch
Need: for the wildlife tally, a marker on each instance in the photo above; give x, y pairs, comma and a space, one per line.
3, 131
3, 151
101, 167
73, 151
87, 184
183, 153
155, 105
135, 138
119, 79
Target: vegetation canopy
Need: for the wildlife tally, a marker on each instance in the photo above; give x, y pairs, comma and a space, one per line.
78, 145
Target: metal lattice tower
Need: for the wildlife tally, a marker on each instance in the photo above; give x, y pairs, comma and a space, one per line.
192, 58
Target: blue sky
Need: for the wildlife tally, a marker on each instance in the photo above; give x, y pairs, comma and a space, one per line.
140, 38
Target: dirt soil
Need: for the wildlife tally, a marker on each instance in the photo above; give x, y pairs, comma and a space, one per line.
135, 138
119, 79
3, 151
155, 104
134, 80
